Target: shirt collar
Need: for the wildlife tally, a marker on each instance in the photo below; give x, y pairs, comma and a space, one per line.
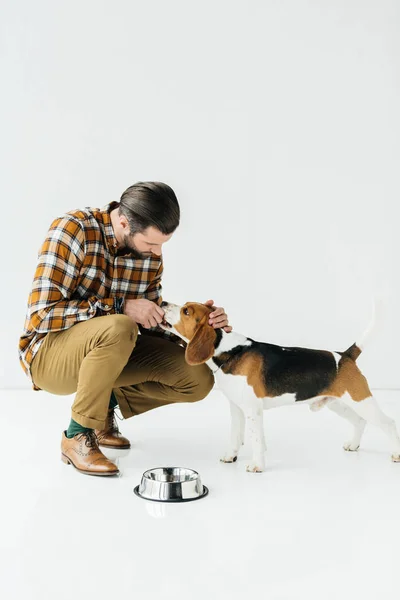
110, 235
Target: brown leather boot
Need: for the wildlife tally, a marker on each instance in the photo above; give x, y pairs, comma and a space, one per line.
110, 437
82, 451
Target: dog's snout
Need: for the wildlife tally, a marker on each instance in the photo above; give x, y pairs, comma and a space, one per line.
163, 303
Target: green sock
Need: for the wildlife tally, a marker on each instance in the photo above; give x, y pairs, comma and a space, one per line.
75, 428
113, 401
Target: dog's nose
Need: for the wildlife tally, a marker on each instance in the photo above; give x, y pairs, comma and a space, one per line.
163, 304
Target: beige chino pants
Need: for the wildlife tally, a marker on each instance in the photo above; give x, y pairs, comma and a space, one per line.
105, 354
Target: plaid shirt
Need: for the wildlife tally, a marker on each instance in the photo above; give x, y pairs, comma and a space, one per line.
80, 276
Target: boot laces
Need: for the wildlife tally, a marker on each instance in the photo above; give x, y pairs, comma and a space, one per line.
91, 438
112, 424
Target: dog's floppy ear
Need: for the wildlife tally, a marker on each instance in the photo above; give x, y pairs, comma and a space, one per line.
201, 346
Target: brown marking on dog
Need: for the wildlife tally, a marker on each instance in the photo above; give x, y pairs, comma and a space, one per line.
249, 364
196, 314
348, 379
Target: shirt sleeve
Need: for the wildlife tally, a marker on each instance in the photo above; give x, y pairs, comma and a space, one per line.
154, 293
60, 258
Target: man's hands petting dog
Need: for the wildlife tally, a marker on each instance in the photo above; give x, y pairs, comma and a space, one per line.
218, 318
149, 314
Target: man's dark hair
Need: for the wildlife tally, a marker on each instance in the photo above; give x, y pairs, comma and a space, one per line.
150, 204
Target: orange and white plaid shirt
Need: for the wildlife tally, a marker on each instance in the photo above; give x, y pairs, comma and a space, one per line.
80, 276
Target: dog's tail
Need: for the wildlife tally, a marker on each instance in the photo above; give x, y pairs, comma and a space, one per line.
355, 349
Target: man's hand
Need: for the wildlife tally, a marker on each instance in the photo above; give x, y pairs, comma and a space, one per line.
218, 318
144, 312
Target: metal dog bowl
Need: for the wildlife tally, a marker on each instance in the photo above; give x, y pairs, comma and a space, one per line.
171, 484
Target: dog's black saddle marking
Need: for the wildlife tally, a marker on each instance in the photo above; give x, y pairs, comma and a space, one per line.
300, 371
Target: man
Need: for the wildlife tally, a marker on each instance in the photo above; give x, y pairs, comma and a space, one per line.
92, 324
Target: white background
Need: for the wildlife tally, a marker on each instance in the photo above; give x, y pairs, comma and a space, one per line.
277, 125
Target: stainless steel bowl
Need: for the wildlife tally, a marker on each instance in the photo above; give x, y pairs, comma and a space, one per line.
171, 484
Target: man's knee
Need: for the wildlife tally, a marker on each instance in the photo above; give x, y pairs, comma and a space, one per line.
122, 327
203, 383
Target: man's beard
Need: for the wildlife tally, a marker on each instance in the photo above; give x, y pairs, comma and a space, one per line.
129, 247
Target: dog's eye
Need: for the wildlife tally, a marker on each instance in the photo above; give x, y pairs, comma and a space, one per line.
186, 311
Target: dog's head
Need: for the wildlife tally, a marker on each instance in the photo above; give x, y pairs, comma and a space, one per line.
190, 322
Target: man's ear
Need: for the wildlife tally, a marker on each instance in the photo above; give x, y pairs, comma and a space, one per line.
201, 346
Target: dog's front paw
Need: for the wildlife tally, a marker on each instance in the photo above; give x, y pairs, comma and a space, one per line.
254, 467
229, 457
351, 447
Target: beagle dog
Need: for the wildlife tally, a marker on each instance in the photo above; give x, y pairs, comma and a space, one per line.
256, 376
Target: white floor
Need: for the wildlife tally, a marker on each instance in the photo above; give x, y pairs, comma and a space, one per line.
319, 523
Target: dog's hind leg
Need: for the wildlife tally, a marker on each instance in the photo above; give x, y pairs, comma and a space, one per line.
338, 407
369, 410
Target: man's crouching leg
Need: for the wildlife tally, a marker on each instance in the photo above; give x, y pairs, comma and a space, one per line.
158, 374
87, 358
